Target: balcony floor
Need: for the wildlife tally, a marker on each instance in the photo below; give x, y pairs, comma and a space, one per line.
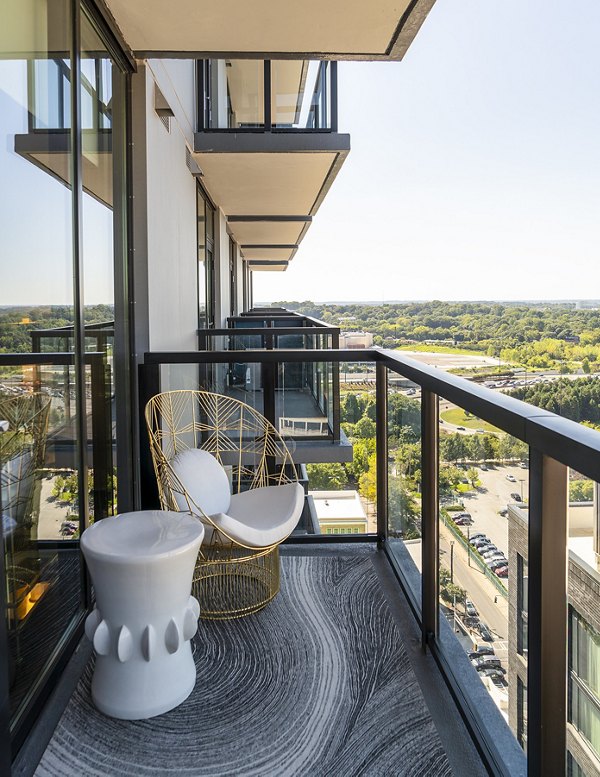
327, 680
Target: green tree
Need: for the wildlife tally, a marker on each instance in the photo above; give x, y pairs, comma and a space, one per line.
403, 511
365, 428
453, 447
581, 490
351, 409
362, 450
326, 477
367, 484
473, 476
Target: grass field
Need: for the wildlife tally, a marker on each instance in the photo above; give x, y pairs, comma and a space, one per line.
458, 417
440, 349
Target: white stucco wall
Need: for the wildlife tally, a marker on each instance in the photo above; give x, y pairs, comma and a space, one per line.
171, 212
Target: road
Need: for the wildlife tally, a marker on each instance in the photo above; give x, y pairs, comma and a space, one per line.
481, 592
484, 506
493, 495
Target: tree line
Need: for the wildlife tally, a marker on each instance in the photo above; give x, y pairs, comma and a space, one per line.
578, 399
478, 325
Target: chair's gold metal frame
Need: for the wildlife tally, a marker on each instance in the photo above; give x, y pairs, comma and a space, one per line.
231, 579
22, 452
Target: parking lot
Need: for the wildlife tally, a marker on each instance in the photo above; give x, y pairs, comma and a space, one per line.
492, 496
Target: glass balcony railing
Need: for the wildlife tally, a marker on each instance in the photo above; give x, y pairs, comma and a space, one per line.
490, 521
286, 95
305, 397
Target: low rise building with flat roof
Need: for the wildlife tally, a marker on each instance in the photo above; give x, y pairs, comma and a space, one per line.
340, 512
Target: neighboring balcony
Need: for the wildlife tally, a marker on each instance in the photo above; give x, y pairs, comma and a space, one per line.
302, 400
47, 143
267, 149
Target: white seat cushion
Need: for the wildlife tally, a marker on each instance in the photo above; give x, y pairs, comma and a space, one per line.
204, 479
262, 516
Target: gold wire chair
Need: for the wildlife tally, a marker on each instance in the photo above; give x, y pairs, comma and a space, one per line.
232, 579
22, 452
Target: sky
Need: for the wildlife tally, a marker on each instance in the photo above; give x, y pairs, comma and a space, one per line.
475, 164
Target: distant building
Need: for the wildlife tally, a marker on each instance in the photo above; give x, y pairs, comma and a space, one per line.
356, 340
339, 512
583, 728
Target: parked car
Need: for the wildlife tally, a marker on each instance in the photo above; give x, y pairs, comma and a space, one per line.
478, 535
523, 465
498, 560
511, 478
503, 512
471, 621
488, 662
516, 497
463, 521
495, 676
485, 633
470, 608
482, 650
498, 563
490, 551
461, 428
483, 467
502, 572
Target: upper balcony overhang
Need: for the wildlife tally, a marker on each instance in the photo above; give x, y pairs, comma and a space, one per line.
338, 29
50, 150
269, 185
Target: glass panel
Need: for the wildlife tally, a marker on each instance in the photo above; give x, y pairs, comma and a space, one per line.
404, 476
206, 270
38, 465
300, 94
98, 73
236, 93
484, 487
201, 240
345, 494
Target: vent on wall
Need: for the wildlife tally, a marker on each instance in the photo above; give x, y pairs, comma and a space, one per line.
162, 108
191, 163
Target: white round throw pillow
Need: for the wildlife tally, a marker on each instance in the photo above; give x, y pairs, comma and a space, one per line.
205, 480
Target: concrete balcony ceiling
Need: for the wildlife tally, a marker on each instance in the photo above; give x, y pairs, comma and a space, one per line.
340, 29
269, 185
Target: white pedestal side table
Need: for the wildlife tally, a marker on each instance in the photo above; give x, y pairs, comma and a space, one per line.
141, 565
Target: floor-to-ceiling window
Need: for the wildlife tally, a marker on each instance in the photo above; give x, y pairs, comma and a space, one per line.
62, 93
206, 262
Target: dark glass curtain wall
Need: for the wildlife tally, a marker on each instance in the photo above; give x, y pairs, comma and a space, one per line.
62, 152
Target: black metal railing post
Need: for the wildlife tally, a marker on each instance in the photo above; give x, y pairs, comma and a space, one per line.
335, 343
547, 617
334, 97
267, 95
381, 442
149, 386
429, 516
101, 436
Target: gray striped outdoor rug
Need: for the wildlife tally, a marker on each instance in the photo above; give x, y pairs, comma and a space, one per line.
318, 684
